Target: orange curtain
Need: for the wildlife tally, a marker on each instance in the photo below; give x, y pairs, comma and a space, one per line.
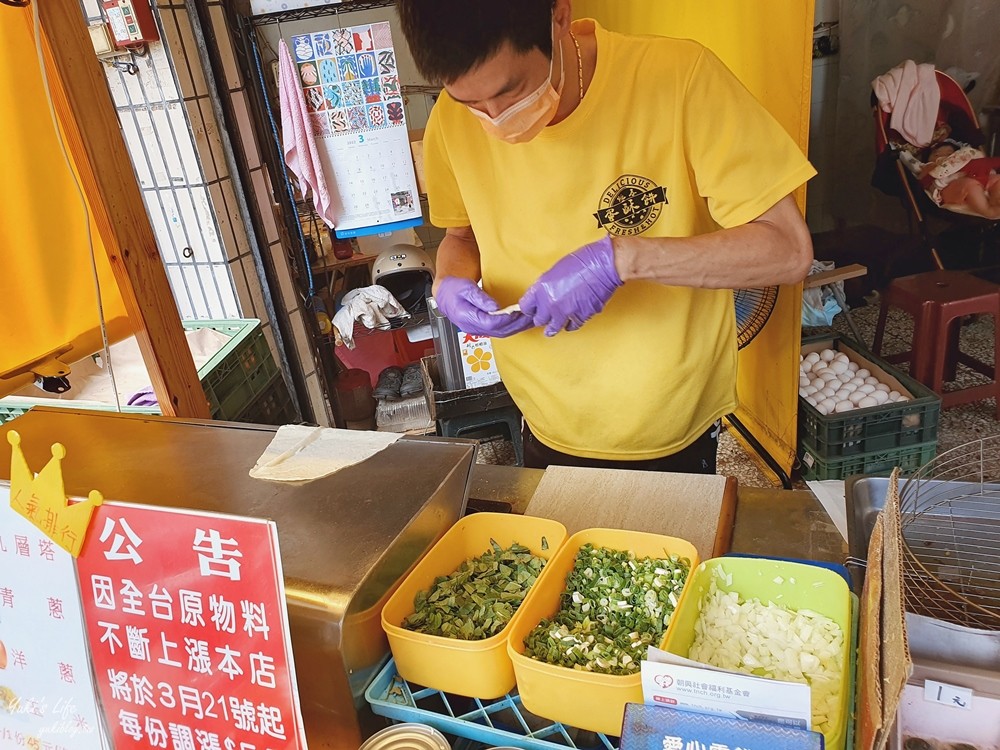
49, 303
768, 45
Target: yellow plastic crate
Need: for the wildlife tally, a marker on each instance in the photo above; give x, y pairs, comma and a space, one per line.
477, 669
595, 702
815, 588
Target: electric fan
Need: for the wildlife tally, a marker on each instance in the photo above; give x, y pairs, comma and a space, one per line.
753, 308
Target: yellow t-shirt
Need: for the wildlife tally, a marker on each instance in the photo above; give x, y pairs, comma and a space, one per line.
666, 143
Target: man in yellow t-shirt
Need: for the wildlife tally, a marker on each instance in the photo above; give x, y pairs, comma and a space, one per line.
616, 188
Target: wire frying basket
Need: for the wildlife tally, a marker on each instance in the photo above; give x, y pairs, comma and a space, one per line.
950, 512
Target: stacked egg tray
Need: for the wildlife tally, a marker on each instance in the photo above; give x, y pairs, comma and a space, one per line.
853, 429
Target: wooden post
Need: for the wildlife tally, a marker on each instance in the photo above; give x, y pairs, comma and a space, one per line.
93, 137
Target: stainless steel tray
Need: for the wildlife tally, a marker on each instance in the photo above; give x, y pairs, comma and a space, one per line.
930, 639
946, 723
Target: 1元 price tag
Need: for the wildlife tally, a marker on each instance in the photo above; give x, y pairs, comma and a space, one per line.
948, 695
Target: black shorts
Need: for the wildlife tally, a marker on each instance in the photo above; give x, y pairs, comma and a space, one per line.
697, 458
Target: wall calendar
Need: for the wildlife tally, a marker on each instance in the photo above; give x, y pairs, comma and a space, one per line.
355, 107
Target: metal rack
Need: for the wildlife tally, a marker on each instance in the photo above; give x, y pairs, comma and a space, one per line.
319, 11
249, 46
951, 532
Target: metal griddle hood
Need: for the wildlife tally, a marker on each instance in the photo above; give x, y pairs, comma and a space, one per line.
345, 539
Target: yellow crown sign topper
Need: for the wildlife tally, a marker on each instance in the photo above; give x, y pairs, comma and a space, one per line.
42, 498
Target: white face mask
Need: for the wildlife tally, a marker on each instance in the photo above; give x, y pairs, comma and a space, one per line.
526, 118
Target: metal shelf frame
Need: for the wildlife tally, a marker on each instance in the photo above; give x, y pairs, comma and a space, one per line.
319, 11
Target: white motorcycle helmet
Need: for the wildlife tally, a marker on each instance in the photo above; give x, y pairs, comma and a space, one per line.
407, 271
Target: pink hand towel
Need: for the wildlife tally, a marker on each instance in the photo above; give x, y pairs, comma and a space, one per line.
910, 92
298, 142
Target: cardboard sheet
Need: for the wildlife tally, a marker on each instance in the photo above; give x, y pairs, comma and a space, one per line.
869, 687
895, 659
695, 507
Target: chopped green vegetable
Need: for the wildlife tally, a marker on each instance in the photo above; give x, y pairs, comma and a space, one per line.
478, 599
771, 640
613, 608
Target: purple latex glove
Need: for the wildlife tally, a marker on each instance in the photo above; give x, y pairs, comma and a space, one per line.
574, 289
469, 307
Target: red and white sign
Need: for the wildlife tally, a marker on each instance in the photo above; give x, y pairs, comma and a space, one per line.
188, 630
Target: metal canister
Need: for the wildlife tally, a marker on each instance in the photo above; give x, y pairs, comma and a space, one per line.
407, 737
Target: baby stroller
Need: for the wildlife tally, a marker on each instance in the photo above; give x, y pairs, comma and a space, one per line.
936, 227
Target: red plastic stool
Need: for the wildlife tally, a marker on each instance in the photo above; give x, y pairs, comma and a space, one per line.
937, 301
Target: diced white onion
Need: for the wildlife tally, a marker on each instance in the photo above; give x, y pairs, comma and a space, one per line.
770, 640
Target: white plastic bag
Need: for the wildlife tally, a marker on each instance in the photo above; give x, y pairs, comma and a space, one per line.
819, 306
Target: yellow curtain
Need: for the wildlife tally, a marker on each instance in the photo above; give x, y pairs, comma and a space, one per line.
768, 45
48, 304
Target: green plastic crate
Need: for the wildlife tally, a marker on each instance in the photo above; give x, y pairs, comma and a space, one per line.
235, 376
272, 406
882, 428
908, 459
240, 371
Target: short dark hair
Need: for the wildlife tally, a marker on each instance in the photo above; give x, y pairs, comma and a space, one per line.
448, 38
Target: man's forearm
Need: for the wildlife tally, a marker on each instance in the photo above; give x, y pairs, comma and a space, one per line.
773, 249
457, 255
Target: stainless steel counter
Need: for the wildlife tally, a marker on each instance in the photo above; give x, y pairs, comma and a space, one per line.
338, 564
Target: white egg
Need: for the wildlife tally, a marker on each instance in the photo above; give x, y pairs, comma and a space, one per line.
823, 372
901, 398
827, 355
871, 380
849, 387
841, 357
863, 373
893, 395
829, 404
812, 357
857, 381
803, 381
880, 397
852, 366
856, 397
829, 392
803, 393
801, 357
810, 390
842, 395
811, 400
844, 377
867, 389
821, 408
866, 402
838, 367
844, 406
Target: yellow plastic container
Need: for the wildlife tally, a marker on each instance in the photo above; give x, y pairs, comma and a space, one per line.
478, 669
794, 585
595, 702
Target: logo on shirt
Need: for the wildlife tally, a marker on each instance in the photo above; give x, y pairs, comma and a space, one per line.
630, 205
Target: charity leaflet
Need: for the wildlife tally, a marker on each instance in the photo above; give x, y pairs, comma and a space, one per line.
704, 689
